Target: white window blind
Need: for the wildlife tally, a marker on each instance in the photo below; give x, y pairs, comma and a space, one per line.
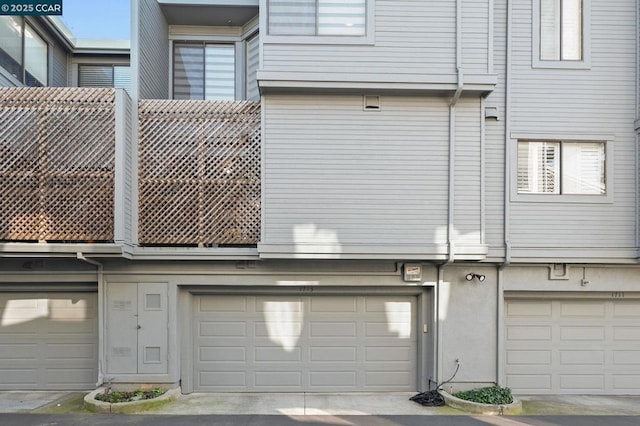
95, 76
219, 72
561, 167
292, 17
317, 17
583, 168
253, 62
560, 30
538, 167
188, 71
204, 71
118, 76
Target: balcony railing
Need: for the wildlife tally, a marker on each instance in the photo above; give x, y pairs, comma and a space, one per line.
199, 173
57, 156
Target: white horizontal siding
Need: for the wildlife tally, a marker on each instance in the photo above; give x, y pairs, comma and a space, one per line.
494, 140
599, 100
337, 175
153, 50
59, 68
467, 188
475, 36
411, 37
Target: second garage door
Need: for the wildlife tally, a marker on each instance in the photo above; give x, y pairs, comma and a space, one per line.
292, 344
566, 346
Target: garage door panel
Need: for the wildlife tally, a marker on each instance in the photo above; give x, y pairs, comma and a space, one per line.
588, 346
318, 343
582, 310
334, 329
626, 333
333, 304
626, 309
49, 340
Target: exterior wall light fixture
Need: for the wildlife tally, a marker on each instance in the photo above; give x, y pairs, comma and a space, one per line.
472, 275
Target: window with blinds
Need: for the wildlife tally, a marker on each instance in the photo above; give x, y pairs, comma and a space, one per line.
118, 76
561, 30
253, 62
317, 17
559, 167
204, 71
23, 53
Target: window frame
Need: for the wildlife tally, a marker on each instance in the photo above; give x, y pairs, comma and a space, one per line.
22, 78
584, 63
111, 65
203, 43
367, 39
606, 198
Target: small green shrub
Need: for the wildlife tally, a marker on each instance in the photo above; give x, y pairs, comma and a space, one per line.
495, 395
127, 396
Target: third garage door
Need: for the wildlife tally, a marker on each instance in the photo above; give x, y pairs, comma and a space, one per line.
304, 343
566, 346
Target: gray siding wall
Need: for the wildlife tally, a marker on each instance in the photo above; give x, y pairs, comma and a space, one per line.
59, 67
153, 51
599, 100
412, 37
475, 36
342, 181
467, 188
414, 41
495, 139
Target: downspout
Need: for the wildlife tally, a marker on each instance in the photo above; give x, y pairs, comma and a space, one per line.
637, 127
451, 189
507, 209
100, 278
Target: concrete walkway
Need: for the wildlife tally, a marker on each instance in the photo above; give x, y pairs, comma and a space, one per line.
313, 405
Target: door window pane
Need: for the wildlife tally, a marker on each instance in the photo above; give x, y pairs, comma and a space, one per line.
219, 71
35, 58
188, 72
347, 17
11, 45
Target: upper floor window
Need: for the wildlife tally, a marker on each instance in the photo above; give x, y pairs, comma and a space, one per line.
118, 76
23, 53
204, 71
317, 17
561, 39
561, 167
561, 30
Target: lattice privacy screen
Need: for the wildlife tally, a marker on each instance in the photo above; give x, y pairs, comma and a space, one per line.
57, 155
199, 172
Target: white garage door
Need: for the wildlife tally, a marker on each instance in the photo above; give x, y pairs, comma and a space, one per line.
319, 343
48, 341
573, 346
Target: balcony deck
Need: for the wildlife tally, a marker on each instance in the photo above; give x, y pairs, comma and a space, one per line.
66, 170
57, 164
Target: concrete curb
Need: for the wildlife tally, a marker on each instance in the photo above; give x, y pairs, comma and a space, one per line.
488, 409
95, 406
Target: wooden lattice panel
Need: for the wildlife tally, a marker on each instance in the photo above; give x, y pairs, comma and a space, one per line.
57, 156
199, 172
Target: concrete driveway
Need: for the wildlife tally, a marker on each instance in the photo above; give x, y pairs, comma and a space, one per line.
311, 405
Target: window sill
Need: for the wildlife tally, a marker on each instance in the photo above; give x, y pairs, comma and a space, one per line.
562, 198
568, 65
338, 40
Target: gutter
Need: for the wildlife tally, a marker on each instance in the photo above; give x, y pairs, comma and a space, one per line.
101, 307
